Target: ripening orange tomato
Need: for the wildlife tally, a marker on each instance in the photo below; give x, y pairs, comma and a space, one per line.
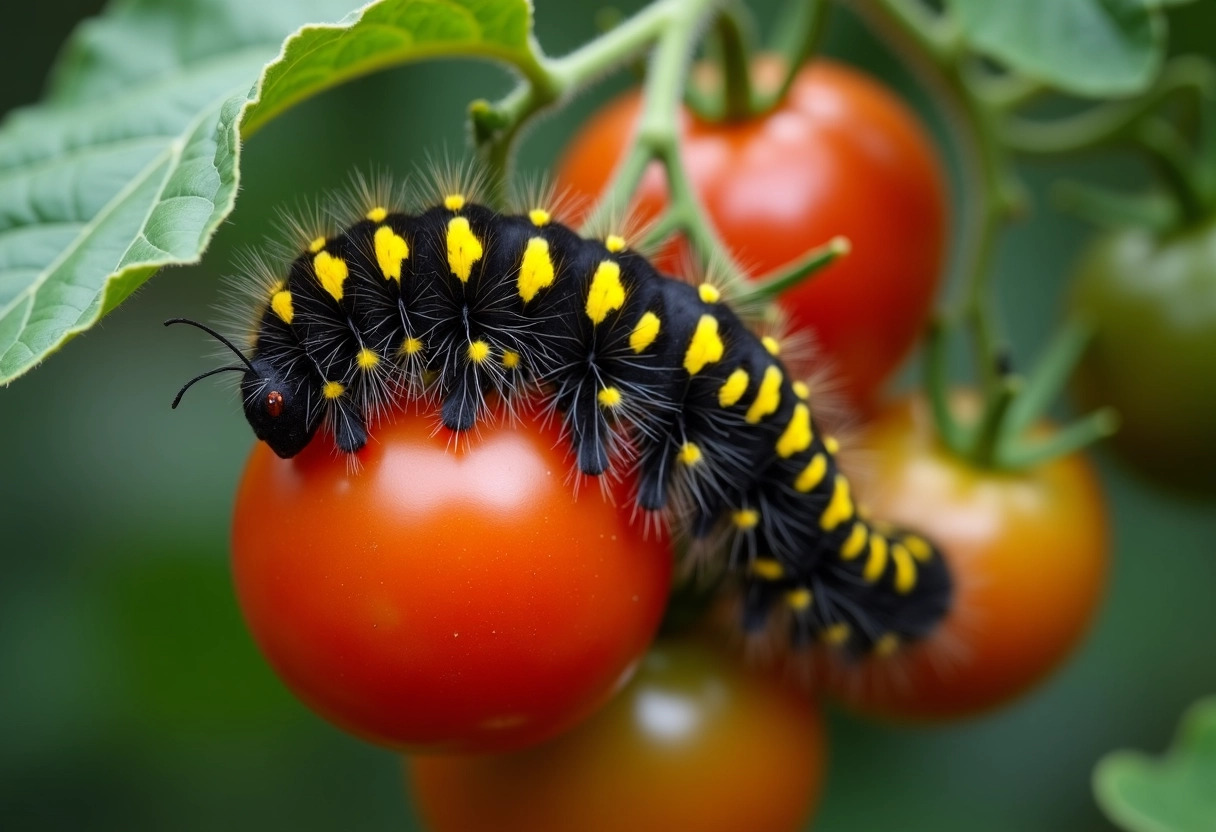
695, 742
1027, 552
452, 594
841, 155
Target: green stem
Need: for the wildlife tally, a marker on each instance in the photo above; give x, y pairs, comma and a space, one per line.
796, 38
1066, 440
768, 288
1050, 375
991, 428
736, 64
1174, 164
548, 82
937, 384
657, 139
1105, 124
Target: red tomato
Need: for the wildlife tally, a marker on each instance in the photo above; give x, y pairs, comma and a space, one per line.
841, 155
694, 743
1028, 554
452, 593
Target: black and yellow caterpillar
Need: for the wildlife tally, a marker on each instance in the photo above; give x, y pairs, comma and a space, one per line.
462, 303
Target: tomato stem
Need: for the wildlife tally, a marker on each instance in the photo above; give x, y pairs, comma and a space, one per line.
1172, 159
937, 384
989, 432
732, 30
1105, 124
549, 82
768, 288
1067, 440
1050, 376
796, 37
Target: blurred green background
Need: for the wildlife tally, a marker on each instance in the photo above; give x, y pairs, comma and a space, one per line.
130, 695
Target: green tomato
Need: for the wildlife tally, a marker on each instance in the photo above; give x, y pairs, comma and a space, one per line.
1152, 299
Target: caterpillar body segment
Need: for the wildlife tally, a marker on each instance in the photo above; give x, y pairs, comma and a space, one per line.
459, 303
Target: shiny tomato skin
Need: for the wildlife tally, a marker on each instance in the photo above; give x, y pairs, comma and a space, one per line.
1028, 552
695, 742
1152, 301
452, 592
840, 156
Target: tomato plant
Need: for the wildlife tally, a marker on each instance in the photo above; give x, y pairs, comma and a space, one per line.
1028, 553
694, 742
1152, 302
451, 594
840, 155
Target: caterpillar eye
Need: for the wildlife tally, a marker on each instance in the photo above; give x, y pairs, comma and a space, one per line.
274, 403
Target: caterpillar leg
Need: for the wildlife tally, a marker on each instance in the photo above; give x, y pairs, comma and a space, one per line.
348, 427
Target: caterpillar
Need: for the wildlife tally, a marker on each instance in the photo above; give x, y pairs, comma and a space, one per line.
459, 303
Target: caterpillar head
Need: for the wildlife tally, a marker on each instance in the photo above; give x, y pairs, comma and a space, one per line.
284, 413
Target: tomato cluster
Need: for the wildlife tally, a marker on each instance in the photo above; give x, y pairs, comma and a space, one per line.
455, 595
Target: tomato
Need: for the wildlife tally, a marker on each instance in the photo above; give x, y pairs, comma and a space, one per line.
453, 592
841, 155
1028, 554
1153, 302
695, 742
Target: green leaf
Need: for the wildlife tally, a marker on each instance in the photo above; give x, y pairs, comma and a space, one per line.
1093, 48
132, 161
1174, 793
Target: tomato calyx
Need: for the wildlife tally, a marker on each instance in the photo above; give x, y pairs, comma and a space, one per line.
1001, 434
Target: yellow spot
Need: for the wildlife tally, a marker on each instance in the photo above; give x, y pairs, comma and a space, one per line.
539, 216
768, 397
801, 390
734, 388
464, 249
832, 445
771, 344
614, 243
609, 397
606, 293
367, 359
411, 346
886, 646
281, 304
797, 435
856, 541
690, 453
479, 351
799, 599
709, 293
745, 518
840, 506
333, 389
837, 634
705, 347
766, 568
332, 273
644, 333
812, 474
510, 359
377, 214
391, 252
876, 563
905, 569
316, 245
535, 270
919, 548
453, 202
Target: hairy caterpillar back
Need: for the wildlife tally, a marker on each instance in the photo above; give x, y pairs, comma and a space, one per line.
649, 375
